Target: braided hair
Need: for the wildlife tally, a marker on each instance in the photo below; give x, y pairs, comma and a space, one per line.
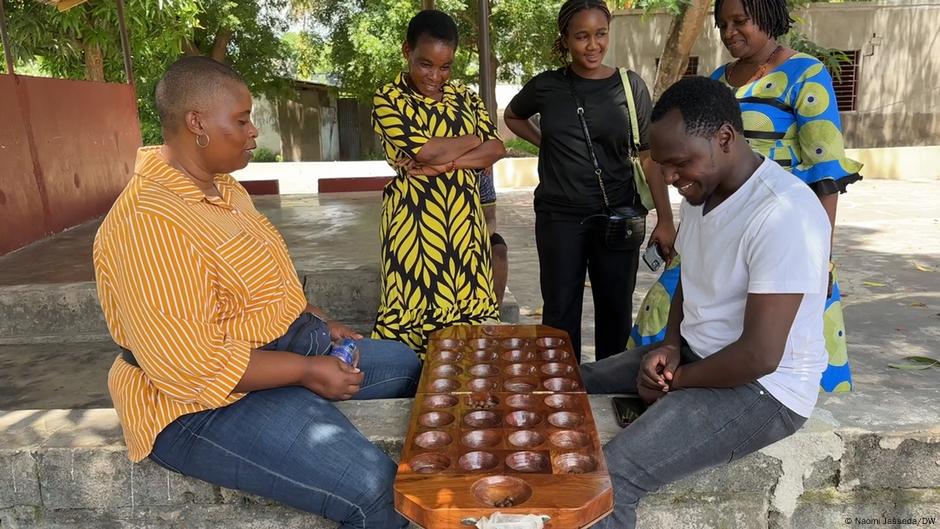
568, 10
771, 16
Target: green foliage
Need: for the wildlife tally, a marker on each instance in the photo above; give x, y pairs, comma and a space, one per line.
307, 54
263, 154
523, 32
673, 7
365, 38
795, 39
830, 57
916, 363
160, 31
518, 147
356, 42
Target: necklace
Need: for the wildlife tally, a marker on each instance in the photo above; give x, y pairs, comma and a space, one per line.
760, 71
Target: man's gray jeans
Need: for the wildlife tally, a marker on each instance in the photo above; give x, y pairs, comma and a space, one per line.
685, 431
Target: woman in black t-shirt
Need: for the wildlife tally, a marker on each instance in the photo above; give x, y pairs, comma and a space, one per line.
569, 191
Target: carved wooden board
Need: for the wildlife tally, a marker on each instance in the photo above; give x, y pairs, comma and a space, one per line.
501, 423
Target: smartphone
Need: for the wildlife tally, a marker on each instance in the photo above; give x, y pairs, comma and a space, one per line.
652, 257
628, 409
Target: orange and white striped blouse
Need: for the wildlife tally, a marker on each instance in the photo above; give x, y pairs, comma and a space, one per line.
190, 284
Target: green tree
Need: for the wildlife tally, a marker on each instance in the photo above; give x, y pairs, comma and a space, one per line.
84, 42
365, 37
687, 24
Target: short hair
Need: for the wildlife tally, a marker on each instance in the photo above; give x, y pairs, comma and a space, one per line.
705, 105
434, 24
567, 11
187, 85
771, 16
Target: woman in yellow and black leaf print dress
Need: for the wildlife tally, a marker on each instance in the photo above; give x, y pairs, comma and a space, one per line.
435, 247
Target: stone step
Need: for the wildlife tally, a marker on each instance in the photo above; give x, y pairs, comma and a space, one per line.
69, 312
68, 468
56, 375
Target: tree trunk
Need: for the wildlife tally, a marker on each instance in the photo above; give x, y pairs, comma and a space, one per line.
219, 48
190, 48
94, 62
486, 52
220, 44
684, 31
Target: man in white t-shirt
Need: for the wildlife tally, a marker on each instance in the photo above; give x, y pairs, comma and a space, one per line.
744, 349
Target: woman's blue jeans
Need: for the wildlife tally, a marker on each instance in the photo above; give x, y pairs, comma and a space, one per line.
291, 445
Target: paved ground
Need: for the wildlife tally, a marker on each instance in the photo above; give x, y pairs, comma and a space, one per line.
887, 246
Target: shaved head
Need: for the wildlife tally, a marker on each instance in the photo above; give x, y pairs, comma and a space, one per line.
189, 84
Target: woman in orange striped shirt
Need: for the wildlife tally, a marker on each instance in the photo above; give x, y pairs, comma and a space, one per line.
224, 374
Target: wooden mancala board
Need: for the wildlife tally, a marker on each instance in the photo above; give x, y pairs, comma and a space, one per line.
501, 423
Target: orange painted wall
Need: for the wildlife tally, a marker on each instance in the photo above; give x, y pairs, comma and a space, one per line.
67, 150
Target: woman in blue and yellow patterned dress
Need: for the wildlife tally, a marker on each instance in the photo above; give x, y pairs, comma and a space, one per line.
435, 247
790, 116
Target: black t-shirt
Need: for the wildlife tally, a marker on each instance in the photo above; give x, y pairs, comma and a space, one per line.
566, 175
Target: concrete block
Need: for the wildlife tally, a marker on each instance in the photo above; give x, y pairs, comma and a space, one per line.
19, 479
243, 499
824, 474
831, 508
509, 310
19, 517
70, 312
89, 478
379, 420
27, 382
64, 312
156, 486
729, 511
203, 517
104, 479
60, 429
874, 462
754, 474
350, 295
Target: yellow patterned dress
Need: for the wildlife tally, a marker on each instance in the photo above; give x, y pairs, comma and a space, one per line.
435, 248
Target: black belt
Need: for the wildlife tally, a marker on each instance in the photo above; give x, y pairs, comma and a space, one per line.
128, 357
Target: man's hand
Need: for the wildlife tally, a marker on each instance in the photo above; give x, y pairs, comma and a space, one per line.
656, 372
339, 331
648, 395
664, 235
331, 378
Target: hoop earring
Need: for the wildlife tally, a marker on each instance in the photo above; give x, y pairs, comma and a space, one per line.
200, 144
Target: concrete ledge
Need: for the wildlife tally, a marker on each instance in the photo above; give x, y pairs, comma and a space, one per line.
69, 312
68, 468
914, 164
917, 163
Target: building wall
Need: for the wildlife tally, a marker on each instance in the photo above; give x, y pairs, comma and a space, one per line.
67, 149
302, 126
264, 116
898, 69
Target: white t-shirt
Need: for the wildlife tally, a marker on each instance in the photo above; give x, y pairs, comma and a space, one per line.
770, 237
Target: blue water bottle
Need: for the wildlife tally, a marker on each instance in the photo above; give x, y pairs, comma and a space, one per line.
347, 351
